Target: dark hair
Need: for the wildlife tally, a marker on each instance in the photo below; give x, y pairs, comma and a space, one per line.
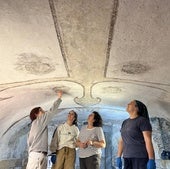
98, 120
75, 116
34, 112
142, 109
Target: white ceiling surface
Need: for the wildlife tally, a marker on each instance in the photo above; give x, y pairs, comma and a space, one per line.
100, 53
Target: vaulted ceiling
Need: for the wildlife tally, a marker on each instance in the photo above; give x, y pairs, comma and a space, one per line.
102, 54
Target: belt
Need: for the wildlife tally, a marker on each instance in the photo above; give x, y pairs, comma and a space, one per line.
43, 152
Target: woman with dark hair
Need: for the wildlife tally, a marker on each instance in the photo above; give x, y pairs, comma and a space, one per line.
38, 135
136, 139
90, 141
64, 143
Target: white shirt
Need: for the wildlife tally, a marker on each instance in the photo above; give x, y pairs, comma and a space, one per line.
95, 134
65, 136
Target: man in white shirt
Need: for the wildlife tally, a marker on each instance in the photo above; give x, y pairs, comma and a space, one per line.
64, 143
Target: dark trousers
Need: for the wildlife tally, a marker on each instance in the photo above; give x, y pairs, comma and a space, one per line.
92, 162
135, 163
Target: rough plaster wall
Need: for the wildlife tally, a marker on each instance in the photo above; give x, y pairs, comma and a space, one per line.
161, 140
13, 153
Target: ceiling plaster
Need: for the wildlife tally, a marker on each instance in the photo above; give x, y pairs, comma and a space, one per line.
102, 54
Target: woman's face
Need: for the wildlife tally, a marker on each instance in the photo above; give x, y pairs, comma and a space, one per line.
91, 118
71, 116
131, 107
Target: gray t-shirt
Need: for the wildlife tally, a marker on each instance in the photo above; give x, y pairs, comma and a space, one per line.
38, 135
133, 140
95, 134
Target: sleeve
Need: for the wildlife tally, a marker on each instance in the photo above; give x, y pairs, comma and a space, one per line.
54, 142
122, 125
145, 125
47, 116
77, 132
101, 134
81, 134
55, 106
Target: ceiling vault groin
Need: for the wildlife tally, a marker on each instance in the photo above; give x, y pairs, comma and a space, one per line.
85, 37
111, 33
58, 32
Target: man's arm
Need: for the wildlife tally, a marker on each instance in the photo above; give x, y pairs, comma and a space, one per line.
56, 104
53, 110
